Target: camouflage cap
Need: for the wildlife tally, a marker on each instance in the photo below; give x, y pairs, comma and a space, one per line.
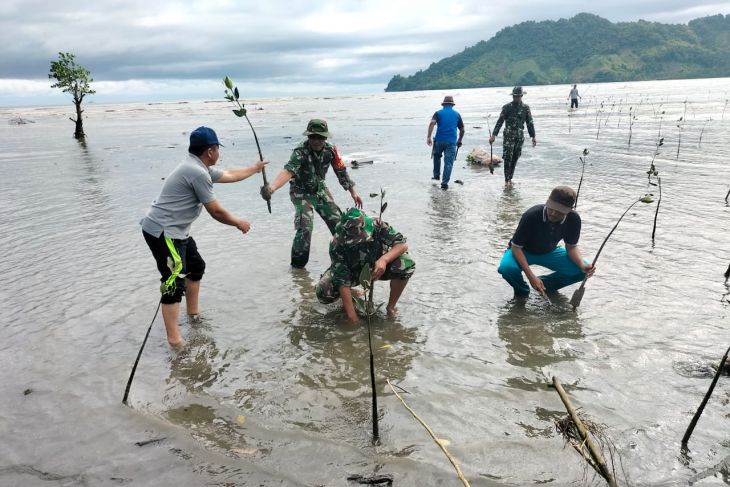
518, 91
354, 227
317, 126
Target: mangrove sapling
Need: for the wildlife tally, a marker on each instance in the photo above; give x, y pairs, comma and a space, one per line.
653, 172
679, 134
578, 294
723, 109
233, 97
598, 120
680, 125
367, 308
661, 118
491, 157
439, 441
583, 170
632, 119
703, 130
693, 423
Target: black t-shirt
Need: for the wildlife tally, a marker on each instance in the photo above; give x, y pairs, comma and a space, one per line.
537, 235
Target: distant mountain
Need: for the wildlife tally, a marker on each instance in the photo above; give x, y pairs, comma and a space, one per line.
585, 48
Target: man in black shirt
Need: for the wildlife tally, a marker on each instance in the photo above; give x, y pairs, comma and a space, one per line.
535, 242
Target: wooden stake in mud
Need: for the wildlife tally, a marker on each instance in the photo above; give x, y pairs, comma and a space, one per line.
585, 436
139, 354
439, 442
697, 415
578, 294
241, 112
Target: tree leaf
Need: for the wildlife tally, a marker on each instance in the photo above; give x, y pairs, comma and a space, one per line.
374, 195
235, 92
228, 82
240, 113
382, 208
365, 277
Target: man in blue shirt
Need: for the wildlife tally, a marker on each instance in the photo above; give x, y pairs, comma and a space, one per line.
535, 242
445, 142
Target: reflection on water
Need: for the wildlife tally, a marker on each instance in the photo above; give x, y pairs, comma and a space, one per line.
538, 333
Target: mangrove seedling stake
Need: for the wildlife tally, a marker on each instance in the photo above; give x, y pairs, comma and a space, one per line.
232, 95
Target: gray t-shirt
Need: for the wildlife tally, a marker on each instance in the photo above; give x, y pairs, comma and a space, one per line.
573, 93
181, 199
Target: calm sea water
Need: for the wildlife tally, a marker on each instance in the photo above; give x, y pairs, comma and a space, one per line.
273, 388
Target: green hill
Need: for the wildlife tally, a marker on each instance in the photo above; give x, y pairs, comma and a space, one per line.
585, 48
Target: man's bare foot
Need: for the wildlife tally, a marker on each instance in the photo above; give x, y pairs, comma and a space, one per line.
391, 311
176, 343
193, 318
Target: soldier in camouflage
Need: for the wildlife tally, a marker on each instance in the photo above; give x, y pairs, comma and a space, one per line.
359, 241
514, 115
305, 172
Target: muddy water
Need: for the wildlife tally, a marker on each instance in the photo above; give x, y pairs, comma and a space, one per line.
273, 388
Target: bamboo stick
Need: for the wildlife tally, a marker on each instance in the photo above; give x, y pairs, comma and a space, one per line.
585, 436
433, 435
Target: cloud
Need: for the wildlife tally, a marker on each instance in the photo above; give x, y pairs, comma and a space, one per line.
303, 45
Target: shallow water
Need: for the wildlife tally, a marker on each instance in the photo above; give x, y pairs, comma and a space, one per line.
273, 388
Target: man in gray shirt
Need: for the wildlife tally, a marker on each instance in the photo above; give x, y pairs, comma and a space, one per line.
166, 227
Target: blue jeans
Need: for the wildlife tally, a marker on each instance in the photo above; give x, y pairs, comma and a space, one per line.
557, 260
449, 152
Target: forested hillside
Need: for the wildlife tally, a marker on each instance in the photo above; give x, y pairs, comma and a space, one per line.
585, 48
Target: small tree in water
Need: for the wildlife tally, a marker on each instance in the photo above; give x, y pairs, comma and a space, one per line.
72, 78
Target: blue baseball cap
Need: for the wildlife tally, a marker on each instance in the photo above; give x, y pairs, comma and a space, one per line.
202, 136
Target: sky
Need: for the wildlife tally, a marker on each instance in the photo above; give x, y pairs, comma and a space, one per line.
180, 50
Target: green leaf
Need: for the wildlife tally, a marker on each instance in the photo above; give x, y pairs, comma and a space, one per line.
360, 306
365, 277
235, 92
382, 208
228, 82
240, 113
646, 199
374, 195
229, 98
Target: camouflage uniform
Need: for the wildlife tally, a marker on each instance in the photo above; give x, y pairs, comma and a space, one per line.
309, 193
514, 116
353, 248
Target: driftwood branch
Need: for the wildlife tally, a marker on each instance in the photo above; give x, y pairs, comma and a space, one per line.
433, 435
597, 457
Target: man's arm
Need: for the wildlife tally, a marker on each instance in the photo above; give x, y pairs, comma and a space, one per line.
575, 255
239, 174
382, 263
535, 281
346, 295
431, 125
530, 126
460, 125
216, 210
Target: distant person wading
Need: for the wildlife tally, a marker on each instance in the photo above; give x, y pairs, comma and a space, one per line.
573, 97
514, 116
445, 143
